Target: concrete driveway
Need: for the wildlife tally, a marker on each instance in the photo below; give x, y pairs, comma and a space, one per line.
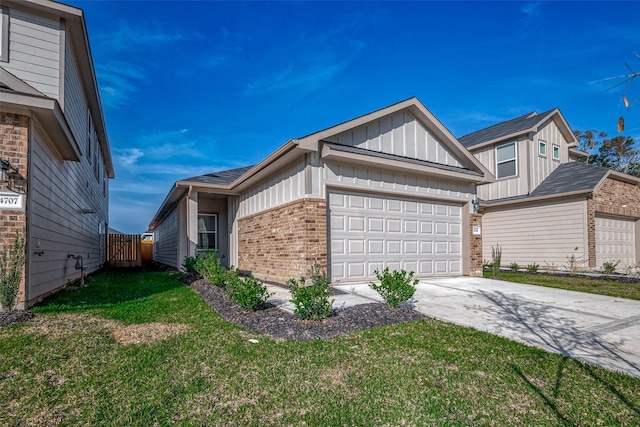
600, 330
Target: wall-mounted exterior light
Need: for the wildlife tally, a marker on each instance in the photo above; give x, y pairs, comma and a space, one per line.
5, 167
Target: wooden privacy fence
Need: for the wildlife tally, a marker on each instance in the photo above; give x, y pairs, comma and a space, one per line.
124, 250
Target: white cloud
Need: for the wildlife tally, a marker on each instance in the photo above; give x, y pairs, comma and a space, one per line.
126, 36
532, 9
126, 156
118, 81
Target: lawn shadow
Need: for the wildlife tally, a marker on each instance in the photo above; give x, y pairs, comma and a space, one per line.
537, 324
109, 287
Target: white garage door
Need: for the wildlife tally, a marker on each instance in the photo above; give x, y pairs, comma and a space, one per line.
615, 240
373, 232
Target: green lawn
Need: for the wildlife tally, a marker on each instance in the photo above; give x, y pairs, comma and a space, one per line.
142, 349
575, 283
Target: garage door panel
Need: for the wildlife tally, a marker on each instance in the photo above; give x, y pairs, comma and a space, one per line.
615, 240
374, 232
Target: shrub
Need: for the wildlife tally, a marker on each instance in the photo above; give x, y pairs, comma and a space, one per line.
609, 267
248, 292
496, 258
395, 288
514, 266
532, 268
191, 264
211, 269
311, 301
11, 267
573, 263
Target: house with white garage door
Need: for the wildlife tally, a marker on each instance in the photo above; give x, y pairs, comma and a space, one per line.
393, 188
545, 206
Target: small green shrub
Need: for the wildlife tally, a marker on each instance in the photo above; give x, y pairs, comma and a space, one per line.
311, 301
191, 264
496, 258
247, 292
395, 288
532, 268
609, 267
11, 268
514, 266
211, 269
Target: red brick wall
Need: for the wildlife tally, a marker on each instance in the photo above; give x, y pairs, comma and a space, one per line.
14, 139
475, 245
283, 242
591, 232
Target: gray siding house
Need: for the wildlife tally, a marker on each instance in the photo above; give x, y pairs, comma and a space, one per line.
393, 188
545, 207
53, 142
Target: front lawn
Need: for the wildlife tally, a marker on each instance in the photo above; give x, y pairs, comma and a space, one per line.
140, 348
600, 286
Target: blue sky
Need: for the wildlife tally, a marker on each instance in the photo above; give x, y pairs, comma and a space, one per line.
195, 87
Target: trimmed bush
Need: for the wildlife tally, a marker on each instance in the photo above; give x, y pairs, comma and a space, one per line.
396, 287
211, 269
532, 268
311, 301
609, 267
247, 292
191, 264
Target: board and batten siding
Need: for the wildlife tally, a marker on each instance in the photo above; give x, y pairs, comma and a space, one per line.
401, 135
34, 51
505, 187
165, 240
360, 178
545, 234
68, 214
542, 166
284, 187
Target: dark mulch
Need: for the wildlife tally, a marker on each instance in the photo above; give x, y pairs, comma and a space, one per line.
270, 320
18, 316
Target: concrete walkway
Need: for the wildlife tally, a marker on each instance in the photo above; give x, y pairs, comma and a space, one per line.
600, 330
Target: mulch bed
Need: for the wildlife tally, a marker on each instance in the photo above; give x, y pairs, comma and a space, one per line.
270, 320
18, 316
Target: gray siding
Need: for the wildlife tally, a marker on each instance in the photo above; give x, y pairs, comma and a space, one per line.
542, 166
34, 51
75, 105
545, 234
68, 213
165, 243
400, 134
219, 207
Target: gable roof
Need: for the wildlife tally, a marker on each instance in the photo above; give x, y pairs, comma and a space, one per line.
224, 177
515, 127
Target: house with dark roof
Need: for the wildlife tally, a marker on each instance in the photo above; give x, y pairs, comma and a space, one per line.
392, 188
544, 206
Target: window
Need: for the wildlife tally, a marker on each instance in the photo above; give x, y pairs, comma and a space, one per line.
207, 232
4, 34
89, 131
542, 148
556, 152
506, 160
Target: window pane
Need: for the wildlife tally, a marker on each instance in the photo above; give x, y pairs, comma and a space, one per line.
506, 152
206, 223
556, 152
206, 241
543, 148
507, 169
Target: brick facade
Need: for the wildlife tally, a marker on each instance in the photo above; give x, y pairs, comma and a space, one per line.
283, 242
14, 145
475, 246
614, 197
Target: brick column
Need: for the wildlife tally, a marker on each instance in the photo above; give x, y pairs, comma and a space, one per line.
591, 232
14, 140
475, 246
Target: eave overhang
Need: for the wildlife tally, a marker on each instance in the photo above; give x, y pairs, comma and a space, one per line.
352, 155
524, 200
48, 112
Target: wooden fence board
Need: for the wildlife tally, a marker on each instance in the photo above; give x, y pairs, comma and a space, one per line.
124, 250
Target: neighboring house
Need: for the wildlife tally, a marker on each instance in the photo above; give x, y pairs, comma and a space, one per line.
545, 207
54, 144
393, 188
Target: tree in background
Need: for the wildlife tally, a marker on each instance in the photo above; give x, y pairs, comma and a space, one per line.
627, 80
620, 153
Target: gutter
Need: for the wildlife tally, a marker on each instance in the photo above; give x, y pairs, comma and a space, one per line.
485, 205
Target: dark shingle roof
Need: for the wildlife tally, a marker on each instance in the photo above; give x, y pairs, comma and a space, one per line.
519, 124
569, 177
225, 177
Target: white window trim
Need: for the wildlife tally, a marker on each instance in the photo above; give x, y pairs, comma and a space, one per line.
4, 34
215, 233
541, 144
514, 159
554, 148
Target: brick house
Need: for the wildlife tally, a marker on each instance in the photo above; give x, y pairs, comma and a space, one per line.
544, 206
53, 145
393, 188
